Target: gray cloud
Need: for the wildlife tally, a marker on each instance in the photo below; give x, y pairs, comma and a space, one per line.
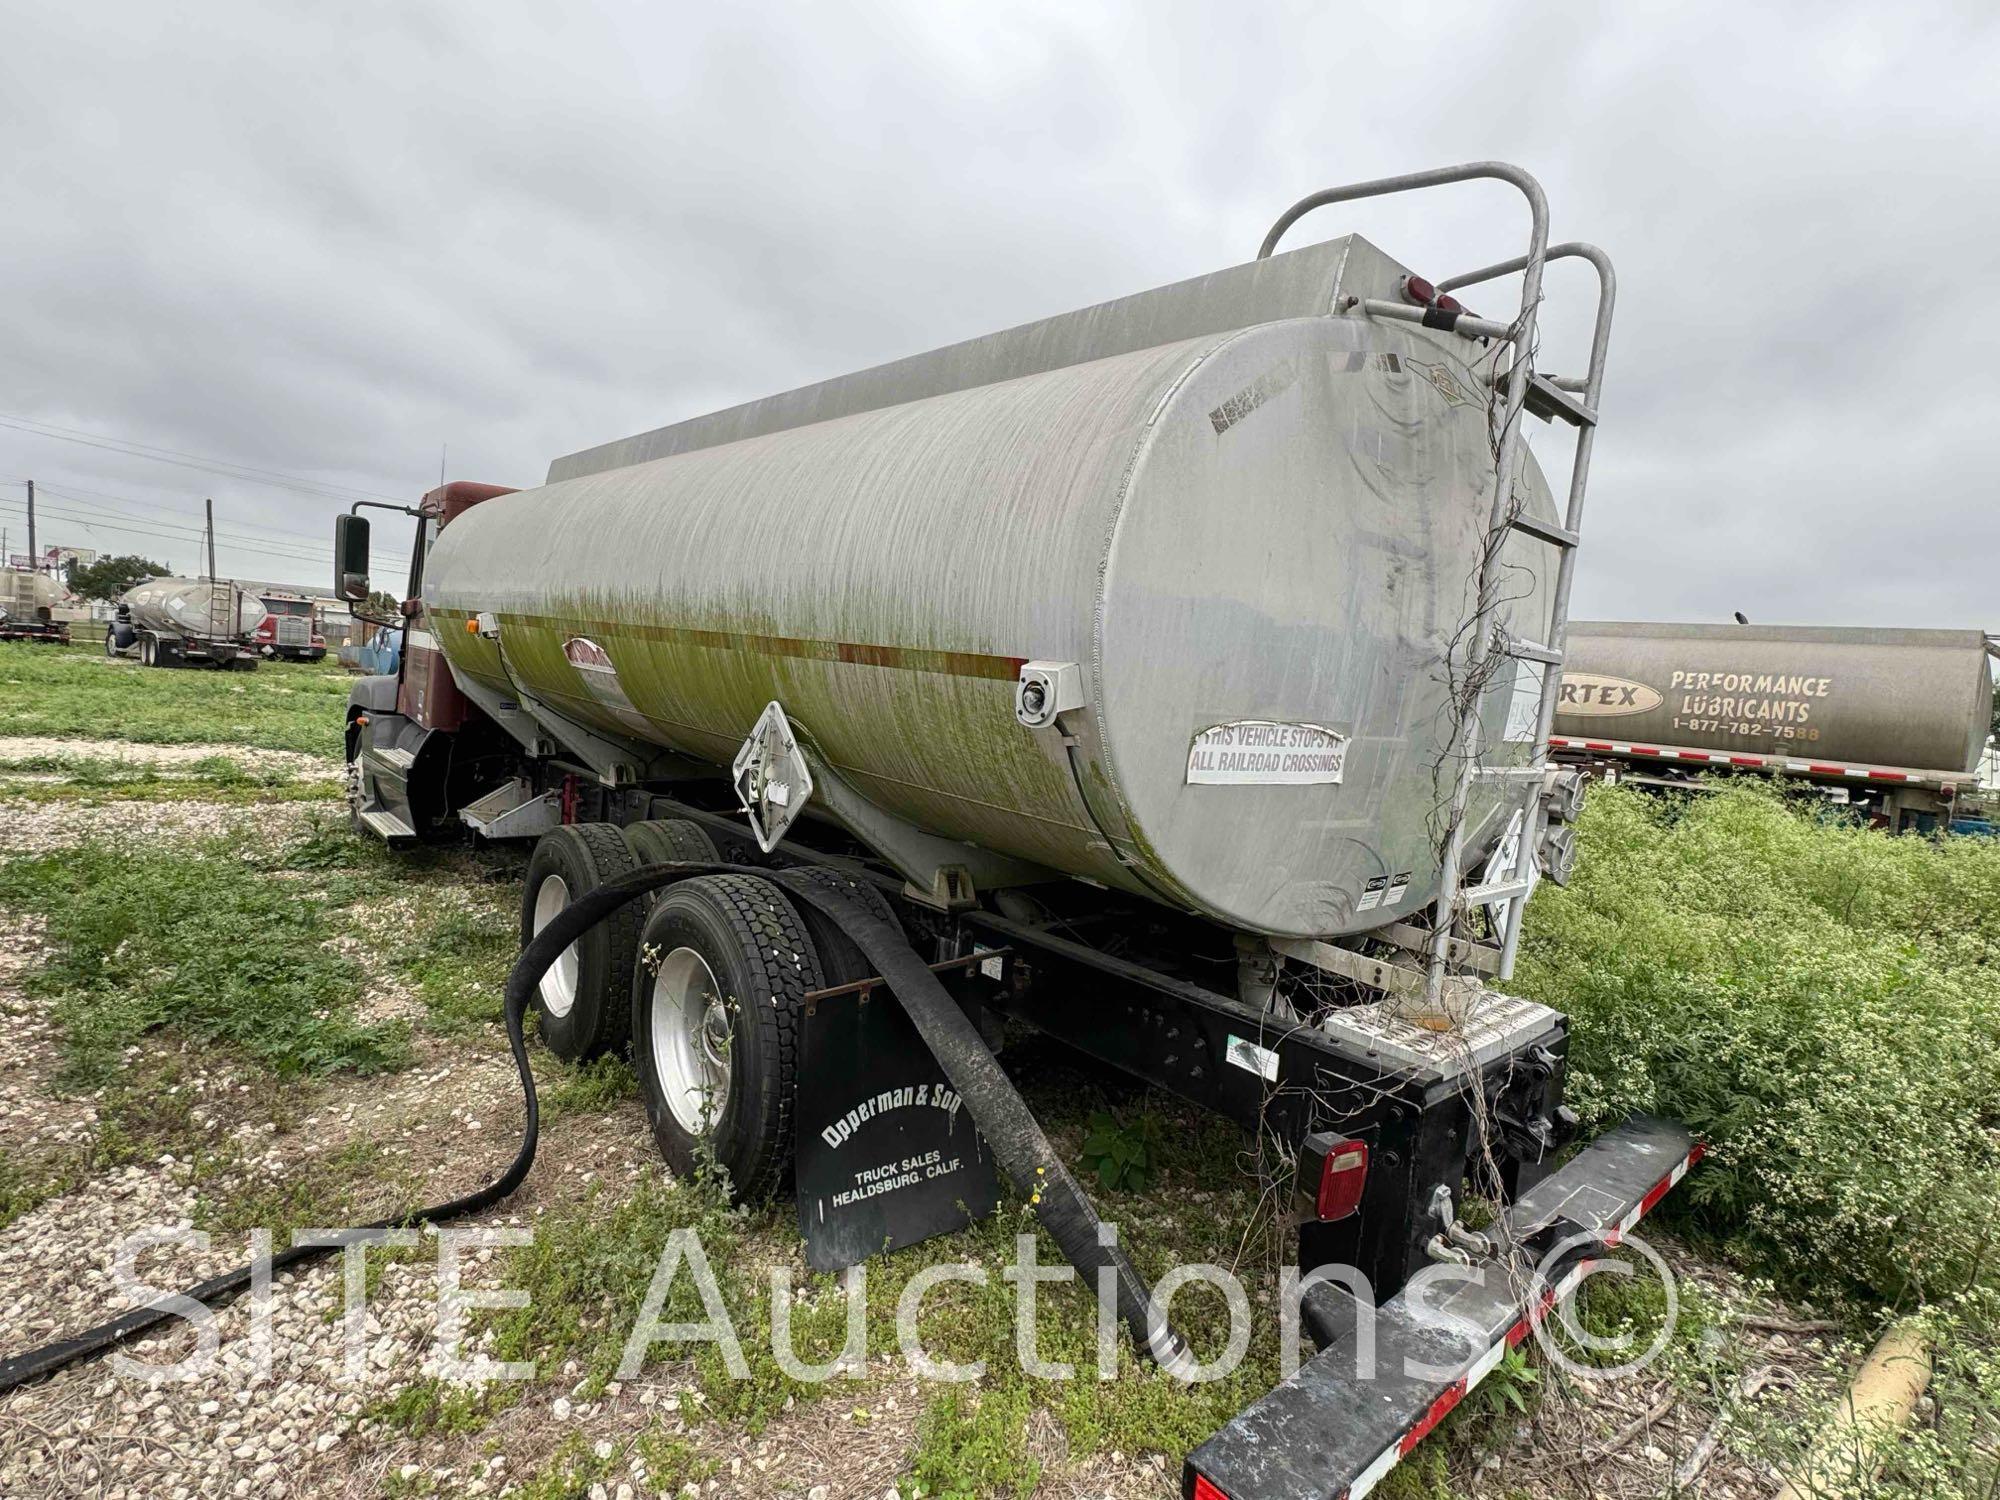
333, 241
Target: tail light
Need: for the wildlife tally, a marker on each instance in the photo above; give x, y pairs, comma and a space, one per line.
1423, 294
1343, 1173
1205, 1490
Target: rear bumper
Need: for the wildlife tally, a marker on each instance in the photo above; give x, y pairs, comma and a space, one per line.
1333, 1431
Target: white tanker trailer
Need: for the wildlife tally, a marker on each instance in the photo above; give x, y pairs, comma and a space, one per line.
28, 604
1170, 676
205, 621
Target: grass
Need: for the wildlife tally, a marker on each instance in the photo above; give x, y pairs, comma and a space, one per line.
76, 693
206, 943
457, 960
214, 778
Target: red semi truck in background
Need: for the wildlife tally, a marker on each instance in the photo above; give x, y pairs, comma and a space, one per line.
291, 628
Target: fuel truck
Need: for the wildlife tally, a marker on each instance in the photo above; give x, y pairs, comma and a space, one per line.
28, 602
1142, 675
166, 622
1891, 722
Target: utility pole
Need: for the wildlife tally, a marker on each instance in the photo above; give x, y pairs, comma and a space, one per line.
209, 506
34, 557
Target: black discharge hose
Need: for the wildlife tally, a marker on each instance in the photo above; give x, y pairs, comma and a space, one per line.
997, 1108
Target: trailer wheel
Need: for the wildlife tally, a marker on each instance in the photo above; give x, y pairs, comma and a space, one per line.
585, 997
110, 642
840, 961
669, 839
717, 1020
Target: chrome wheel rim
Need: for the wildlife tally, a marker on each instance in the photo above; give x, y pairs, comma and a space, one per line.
558, 986
690, 1038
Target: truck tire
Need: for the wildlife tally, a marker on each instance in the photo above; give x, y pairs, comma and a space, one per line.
110, 642
666, 840
717, 1022
147, 651
840, 962
585, 998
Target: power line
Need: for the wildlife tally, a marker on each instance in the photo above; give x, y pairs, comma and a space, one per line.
191, 460
68, 512
187, 535
122, 504
164, 528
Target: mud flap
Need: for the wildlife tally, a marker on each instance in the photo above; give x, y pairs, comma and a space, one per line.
1331, 1432
887, 1154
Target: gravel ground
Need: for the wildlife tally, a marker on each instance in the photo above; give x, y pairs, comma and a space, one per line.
28, 747
38, 827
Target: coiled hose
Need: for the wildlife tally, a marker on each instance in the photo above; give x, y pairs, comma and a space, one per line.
997, 1108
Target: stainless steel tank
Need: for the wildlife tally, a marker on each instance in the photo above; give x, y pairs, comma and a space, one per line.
215, 608
1918, 699
28, 596
1255, 534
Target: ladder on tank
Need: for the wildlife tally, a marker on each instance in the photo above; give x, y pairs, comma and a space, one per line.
1510, 876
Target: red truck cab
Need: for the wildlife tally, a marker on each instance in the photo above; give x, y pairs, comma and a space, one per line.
290, 629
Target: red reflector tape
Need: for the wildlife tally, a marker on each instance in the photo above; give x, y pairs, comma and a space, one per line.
1449, 1397
1887, 776
1827, 770
1692, 754
1746, 760
1598, 745
1645, 750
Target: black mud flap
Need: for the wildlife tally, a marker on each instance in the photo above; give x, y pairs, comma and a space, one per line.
1332, 1433
887, 1154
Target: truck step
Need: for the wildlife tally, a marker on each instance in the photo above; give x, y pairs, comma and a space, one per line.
387, 825
395, 756
512, 811
1499, 890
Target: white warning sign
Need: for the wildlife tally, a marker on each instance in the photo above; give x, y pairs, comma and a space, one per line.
1261, 752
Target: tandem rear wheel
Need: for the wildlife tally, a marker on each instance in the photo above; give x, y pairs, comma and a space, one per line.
584, 997
718, 1020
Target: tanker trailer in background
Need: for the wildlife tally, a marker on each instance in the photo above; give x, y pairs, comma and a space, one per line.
1144, 675
203, 621
28, 604
1890, 722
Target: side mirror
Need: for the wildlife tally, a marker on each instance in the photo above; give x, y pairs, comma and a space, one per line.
350, 558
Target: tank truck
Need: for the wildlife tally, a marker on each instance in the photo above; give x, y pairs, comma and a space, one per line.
28, 604
1891, 722
1173, 677
203, 621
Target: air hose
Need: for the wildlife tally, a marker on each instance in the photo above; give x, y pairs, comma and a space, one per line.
996, 1107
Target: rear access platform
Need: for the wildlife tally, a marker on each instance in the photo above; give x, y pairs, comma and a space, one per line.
1350, 1414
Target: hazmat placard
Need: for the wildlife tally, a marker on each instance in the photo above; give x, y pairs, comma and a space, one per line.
1264, 752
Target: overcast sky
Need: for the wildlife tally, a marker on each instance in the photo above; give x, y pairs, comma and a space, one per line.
336, 241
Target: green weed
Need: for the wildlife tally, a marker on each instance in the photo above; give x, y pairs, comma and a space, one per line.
200, 942
1820, 1002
